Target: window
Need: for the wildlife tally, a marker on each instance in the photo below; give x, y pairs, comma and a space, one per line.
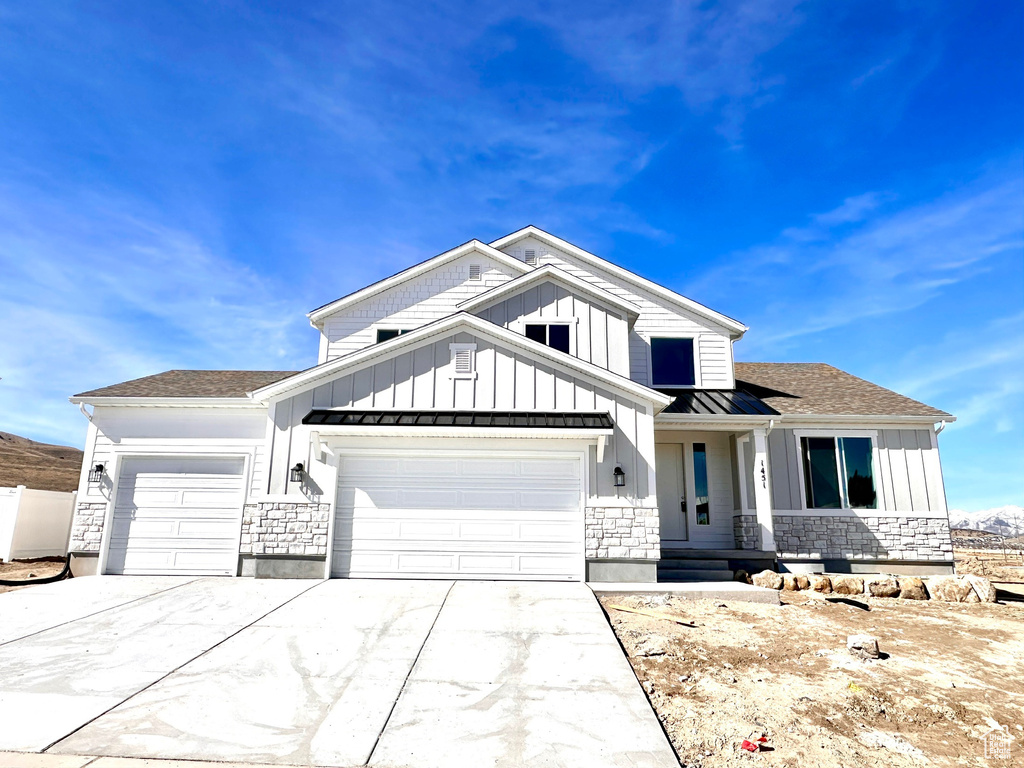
463, 361
531, 257
474, 271
384, 334
700, 484
838, 472
555, 335
672, 363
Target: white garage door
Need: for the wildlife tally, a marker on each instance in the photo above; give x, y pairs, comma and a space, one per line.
459, 516
177, 516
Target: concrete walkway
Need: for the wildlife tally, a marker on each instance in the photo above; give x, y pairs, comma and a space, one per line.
338, 673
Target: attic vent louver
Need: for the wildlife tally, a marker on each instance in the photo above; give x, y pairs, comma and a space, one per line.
531, 257
474, 271
463, 361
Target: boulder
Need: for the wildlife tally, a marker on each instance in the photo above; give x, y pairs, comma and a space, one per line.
652, 645
912, 588
820, 583
864, 646
983, 588
844, 584
768, 579
883, 586
951, 589
741, 576
794, 582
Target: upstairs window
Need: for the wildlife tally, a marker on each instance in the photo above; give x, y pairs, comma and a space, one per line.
384, 334
555, 335
672, 363
838, 473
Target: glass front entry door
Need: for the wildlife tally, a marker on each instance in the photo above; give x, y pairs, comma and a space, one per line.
685, 504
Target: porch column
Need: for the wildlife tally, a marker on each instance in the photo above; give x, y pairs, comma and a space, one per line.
762, 490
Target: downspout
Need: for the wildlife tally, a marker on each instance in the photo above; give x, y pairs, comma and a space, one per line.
771, 426
942, 426
81, 407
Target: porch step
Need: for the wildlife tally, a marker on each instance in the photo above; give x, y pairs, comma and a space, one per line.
694, 574
700, 565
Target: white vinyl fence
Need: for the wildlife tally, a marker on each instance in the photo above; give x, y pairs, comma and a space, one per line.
34, 523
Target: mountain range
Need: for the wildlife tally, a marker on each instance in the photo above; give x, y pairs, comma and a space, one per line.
1008, 520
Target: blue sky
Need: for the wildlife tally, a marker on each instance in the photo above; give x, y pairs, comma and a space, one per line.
181, 182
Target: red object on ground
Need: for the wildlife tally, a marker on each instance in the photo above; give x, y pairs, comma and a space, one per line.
749, 746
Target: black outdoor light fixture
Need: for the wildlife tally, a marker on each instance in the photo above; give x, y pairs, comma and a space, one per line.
96, 473
297, 471
620, 477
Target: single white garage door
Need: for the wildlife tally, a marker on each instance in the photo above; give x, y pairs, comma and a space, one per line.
177, 516
459, 516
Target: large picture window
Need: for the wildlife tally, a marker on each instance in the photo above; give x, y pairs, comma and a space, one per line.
838, 473
672, 363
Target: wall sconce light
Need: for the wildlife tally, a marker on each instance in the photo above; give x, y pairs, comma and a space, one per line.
297, 472
620, 477
96, 473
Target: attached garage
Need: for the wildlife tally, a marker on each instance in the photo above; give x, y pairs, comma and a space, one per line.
475, 515
179, 515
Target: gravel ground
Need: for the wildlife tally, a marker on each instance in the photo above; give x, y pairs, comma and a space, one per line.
950, 672
25, 570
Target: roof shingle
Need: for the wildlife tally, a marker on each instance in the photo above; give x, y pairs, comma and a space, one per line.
819, 389
191, 384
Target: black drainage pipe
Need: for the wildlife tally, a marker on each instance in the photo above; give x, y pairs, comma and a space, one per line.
64, 574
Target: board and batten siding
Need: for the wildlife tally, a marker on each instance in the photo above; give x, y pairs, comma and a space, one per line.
506, 380
597, 334
712, 344
907, 475
411, 304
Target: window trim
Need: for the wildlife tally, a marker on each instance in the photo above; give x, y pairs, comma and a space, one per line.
872, 434
694, 337
455, 348
519, 326
378, 328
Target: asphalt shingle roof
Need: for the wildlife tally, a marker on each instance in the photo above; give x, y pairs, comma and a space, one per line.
191, 384
820, 389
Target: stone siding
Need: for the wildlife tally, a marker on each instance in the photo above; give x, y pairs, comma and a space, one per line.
746, 531
284, 528
857, 538
617, 532
87, 528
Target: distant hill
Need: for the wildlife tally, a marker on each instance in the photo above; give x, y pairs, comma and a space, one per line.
41, 466
1006, 521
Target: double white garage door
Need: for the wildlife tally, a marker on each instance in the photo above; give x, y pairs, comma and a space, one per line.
404, 515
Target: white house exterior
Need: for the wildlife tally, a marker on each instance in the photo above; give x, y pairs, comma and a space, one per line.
515, 410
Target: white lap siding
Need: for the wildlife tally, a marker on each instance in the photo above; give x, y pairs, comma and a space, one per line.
409, 305
712, 344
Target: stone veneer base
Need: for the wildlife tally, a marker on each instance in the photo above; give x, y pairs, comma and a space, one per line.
881, 537
284, 528
630, 533
282, 566
622, 570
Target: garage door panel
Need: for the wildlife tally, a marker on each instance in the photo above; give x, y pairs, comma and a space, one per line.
177, 515
459, 515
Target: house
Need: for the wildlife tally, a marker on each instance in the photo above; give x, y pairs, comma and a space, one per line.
521, 409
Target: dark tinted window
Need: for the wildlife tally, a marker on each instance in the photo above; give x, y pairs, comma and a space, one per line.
558, 337
383, 334
537, 333
672, 362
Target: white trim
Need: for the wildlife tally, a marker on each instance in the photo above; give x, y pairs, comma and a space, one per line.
556, 275
451, 324
737, 328
169, 402
317, 316
454, 349
839, 432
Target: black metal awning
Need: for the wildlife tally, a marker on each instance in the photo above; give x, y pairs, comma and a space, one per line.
513, 419
717, 402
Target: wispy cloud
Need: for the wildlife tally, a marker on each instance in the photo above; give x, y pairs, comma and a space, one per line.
95, 292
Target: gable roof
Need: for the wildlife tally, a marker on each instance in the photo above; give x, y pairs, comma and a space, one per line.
818, 389
318, 314
551, 273
189, 384
734, 326
459, 321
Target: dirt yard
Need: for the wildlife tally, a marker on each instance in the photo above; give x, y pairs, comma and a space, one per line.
994, 565
25, 570
949, 673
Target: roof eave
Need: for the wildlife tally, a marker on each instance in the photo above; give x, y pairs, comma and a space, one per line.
166, 402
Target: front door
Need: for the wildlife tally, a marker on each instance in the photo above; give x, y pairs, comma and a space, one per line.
672, 507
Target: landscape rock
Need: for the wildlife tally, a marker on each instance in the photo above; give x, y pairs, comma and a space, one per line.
983, 588
883, 586
912, 588
794, 582
768, 579
844, 584
741, 576
865, 646
951, 589
821, 583
652, 645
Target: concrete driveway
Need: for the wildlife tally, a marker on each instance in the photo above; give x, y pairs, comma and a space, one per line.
338, 673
